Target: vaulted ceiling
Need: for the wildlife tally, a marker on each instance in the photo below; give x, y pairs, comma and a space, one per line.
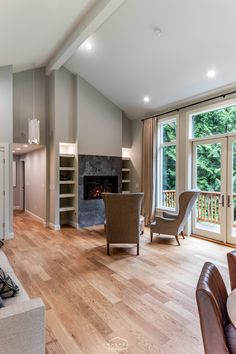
127, 58
32, 30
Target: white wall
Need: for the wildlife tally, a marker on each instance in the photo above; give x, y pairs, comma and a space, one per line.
35, 183
99, 122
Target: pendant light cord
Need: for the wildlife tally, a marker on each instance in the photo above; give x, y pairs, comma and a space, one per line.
33, 95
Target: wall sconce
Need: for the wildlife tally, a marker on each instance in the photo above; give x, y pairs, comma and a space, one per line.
34, 131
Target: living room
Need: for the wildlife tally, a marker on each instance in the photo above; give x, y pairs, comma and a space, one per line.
117, 115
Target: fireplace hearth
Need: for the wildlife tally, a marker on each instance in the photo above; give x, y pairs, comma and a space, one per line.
94, 186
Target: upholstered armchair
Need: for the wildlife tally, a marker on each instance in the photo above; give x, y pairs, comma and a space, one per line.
231, 257
173, 224
219, 335
122, 213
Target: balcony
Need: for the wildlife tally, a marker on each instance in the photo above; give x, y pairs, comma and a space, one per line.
207, 206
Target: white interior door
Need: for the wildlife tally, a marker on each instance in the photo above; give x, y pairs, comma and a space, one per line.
2, 194
210, 176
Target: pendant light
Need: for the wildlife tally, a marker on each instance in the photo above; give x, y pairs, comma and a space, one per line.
33, 124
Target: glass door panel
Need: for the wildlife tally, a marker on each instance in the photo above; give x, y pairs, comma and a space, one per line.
209, 175
231, 195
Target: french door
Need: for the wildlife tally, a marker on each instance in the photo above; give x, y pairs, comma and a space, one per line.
214, 173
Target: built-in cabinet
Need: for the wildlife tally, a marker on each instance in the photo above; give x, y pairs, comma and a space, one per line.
67, 188
126, 174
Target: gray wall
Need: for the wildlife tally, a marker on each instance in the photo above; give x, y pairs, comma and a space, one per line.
99, 122
6, 132
23, 103
126, 132
62, 128
35, 183
136, 155
65, 107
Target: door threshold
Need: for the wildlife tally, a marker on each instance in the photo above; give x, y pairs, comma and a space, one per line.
213, 241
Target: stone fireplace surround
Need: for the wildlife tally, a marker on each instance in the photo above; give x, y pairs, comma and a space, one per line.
91, 211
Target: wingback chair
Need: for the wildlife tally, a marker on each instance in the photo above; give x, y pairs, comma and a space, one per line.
219, 335
173, 224
231, 257
122, 218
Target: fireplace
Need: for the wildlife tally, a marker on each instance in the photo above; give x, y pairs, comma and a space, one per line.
94, 186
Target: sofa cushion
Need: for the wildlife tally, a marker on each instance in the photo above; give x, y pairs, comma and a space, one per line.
230, 333
8, 287
21, 296
4, 263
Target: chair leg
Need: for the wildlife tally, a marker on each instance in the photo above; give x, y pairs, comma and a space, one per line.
151, 234
177, 239
108, 249
137, 249
182, 234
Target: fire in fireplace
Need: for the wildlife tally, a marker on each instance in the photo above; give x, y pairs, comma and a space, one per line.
94, 186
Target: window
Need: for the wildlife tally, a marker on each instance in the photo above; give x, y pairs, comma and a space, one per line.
218, 121
166, 177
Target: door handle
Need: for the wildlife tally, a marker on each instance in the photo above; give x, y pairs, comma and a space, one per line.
229, 204
222, 200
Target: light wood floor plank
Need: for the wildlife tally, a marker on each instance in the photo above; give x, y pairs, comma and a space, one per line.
91, 298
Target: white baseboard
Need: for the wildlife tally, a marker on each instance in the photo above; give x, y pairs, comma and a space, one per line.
73, 224
10, 236
53, 226
17, 207
34, 216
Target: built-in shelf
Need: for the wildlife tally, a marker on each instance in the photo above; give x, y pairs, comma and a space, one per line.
67, 169
71, 208
126, 175
67, 195
67, 182
67, 155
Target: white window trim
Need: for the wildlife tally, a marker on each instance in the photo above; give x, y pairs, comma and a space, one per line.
160, 144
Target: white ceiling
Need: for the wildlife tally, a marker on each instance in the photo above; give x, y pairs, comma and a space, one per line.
128, 61
31, 30
21, 149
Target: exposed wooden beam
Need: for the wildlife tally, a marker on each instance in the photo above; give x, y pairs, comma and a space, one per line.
95, 17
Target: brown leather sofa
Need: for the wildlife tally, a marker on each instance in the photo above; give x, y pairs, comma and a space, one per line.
231, 257
219, 335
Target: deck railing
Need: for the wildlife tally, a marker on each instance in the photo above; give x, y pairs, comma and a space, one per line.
207, 205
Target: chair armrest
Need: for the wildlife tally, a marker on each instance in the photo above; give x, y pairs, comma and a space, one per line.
23, 328
169, 215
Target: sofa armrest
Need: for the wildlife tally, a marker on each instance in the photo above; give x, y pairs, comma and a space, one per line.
22, 328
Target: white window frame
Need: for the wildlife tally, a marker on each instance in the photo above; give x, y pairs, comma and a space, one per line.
160, 146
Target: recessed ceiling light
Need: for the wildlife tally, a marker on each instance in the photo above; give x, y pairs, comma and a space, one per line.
18, 149
146, 99
25, 146
88, 46
211, 73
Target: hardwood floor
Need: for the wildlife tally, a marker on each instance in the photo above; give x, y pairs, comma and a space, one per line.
92, 298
